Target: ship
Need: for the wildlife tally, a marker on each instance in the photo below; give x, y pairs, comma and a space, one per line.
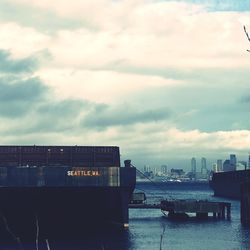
61, 189
228, 184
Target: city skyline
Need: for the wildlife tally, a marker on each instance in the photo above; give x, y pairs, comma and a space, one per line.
163, 80
201, 164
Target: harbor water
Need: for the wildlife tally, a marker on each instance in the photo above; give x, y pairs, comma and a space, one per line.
150, 230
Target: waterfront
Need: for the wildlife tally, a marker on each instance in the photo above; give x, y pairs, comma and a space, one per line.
147, 226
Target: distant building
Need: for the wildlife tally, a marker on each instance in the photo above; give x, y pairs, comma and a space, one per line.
164, 169
241, 165
249, 161
227, 166
177, 172
230, 164
233, 161
203, 166
193, 168
215, 167
219, 166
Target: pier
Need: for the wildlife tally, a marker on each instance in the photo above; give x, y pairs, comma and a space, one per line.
180, 208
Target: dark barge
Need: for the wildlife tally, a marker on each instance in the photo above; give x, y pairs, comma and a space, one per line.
62, 188
228, 184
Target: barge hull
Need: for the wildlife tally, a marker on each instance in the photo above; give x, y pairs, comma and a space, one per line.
227, 184
58, 210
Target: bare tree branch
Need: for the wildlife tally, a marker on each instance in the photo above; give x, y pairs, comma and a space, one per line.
248, 38
246, 33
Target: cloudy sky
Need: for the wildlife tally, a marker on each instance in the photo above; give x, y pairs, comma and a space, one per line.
164, 80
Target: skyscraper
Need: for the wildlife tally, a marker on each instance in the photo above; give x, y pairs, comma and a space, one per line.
219, 165
203, 165
193, 167
233, 161
215, 167
227, 166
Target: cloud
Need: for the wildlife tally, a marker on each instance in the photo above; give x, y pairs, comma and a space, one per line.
22, 41
43, 20
141, 33
161, 79
17, 99
8, 65
109, 116
18, 89
100, 85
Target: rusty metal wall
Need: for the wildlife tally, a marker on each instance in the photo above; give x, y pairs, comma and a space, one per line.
74, 156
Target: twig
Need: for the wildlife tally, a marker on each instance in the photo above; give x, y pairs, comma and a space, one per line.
37, 233
17, 239
47, 244
248, 38
246, 33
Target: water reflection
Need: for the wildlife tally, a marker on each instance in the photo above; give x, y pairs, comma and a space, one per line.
244, 237
94, 238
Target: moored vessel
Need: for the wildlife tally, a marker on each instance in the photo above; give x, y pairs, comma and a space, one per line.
227, 184
63, 188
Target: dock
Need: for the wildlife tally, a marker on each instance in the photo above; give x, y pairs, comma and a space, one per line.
180, 208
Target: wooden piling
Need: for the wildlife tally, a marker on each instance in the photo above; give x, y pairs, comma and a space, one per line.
223, 212
245, 204
228, 206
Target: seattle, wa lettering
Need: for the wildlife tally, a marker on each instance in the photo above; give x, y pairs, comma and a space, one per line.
83, 173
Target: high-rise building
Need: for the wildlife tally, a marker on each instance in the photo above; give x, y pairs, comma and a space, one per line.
203, 166
193, 167
249, 161
226, 165
164, 169
219, 166
233, 161
215, 167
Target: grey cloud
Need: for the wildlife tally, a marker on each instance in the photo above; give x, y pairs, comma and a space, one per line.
106, 116
26, 102
62, 108
8, 65
47, 116
58, 116
18, 98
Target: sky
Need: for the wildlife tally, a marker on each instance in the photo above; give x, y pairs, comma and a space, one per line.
163, 80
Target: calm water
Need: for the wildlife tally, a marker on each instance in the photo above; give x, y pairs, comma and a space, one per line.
147, 226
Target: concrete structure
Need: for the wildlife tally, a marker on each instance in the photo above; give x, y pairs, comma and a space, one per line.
178, 208
200, 208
